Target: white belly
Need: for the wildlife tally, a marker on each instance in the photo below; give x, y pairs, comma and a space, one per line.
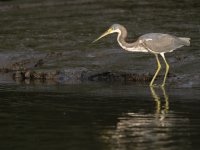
134, 49
137, 49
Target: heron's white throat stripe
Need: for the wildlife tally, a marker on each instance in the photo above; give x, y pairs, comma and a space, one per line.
132, 49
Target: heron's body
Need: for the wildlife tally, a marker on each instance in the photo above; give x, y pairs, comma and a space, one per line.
156, 43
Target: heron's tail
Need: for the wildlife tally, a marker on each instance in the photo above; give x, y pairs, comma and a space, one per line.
186, 41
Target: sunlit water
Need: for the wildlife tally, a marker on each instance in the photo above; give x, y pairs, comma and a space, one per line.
50, 115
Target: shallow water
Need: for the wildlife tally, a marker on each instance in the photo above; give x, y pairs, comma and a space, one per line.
96, 115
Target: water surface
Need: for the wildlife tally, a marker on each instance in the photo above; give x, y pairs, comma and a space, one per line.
100, 116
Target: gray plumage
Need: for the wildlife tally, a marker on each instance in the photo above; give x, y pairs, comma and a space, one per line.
162, 43
153, 42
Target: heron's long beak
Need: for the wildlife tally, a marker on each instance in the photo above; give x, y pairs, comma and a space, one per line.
109, 31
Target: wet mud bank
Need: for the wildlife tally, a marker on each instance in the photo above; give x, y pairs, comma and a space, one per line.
44, 68
32, 70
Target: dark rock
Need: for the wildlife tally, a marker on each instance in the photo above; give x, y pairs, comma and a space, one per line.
19, 75
39, 63
20, 65
29, 74
5, 70
51, 75
38, 75
105, 76
116, 76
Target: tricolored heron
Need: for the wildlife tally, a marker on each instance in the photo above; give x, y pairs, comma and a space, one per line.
156, 43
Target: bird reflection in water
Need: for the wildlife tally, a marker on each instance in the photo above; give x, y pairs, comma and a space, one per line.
161, 110
143, 129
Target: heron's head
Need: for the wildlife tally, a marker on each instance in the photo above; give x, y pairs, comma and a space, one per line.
113, 29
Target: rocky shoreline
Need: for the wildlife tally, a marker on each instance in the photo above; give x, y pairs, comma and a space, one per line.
31, 70
79, 75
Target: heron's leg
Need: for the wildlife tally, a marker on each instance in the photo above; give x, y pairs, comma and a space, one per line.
157, 71
167, 69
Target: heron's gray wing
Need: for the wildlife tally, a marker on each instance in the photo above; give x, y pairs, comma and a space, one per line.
159, 43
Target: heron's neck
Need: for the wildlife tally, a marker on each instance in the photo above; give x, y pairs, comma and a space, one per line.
121, 38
